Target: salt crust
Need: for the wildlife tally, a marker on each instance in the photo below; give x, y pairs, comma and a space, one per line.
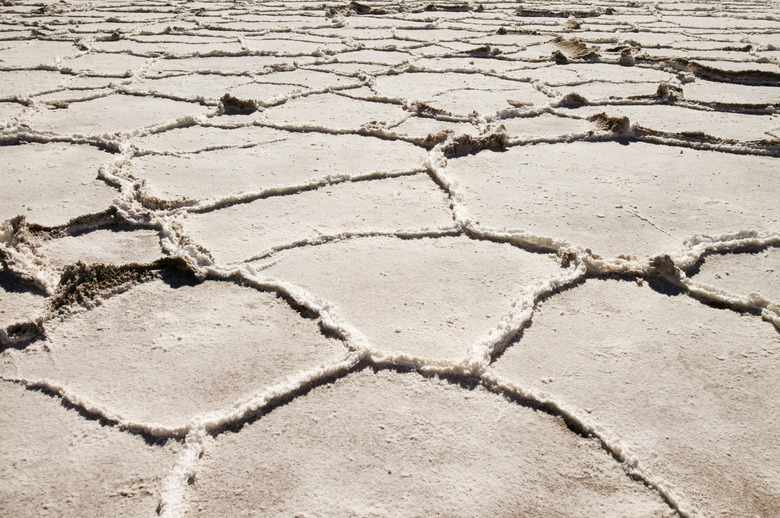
537, 50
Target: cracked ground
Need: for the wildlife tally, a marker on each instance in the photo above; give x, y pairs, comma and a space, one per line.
389, 259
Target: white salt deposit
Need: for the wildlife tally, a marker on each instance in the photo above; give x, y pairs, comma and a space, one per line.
459, 259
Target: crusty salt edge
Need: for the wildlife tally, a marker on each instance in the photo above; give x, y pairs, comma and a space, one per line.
436, 164
521, 238
344, 236
86, 96
138, 152
699, 245
175, 484
23, 134
21, 259
210, 422
95, 409
590, 136
131, 89
276, 101
108, 140
249, 406
283, 190
758, 148
149, 90
481, 352
770, 311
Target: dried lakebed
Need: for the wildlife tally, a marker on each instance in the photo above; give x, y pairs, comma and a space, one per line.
377, 259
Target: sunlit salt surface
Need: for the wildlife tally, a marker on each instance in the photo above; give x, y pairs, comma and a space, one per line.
389, 259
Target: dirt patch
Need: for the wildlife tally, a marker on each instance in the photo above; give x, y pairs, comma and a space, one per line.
234, 106
613, 124
573, 48
82, 284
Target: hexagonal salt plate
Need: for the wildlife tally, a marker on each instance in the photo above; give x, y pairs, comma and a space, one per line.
52, 183
691, 389
168, 350
113, 114
431, 298
635, 198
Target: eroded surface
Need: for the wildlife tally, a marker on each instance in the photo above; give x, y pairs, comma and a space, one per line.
460, 259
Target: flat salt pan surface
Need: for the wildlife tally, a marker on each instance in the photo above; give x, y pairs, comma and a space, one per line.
405, 268
33, 53
386, 444
687, 386
602, 91
55, 462
112, 114
52, 183
756, 272
425, 297
9, 112
191, 87
545, 126
229, 171
715, 92
421, 127
242, 231
26, 82
635, 199
161, 349
191, 139
103, 64
104, 246
453, 92
332, 111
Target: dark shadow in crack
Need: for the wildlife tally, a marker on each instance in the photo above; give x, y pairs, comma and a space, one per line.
11, 284
749, 250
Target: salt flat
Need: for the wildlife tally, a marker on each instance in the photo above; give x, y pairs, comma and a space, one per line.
389, 259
